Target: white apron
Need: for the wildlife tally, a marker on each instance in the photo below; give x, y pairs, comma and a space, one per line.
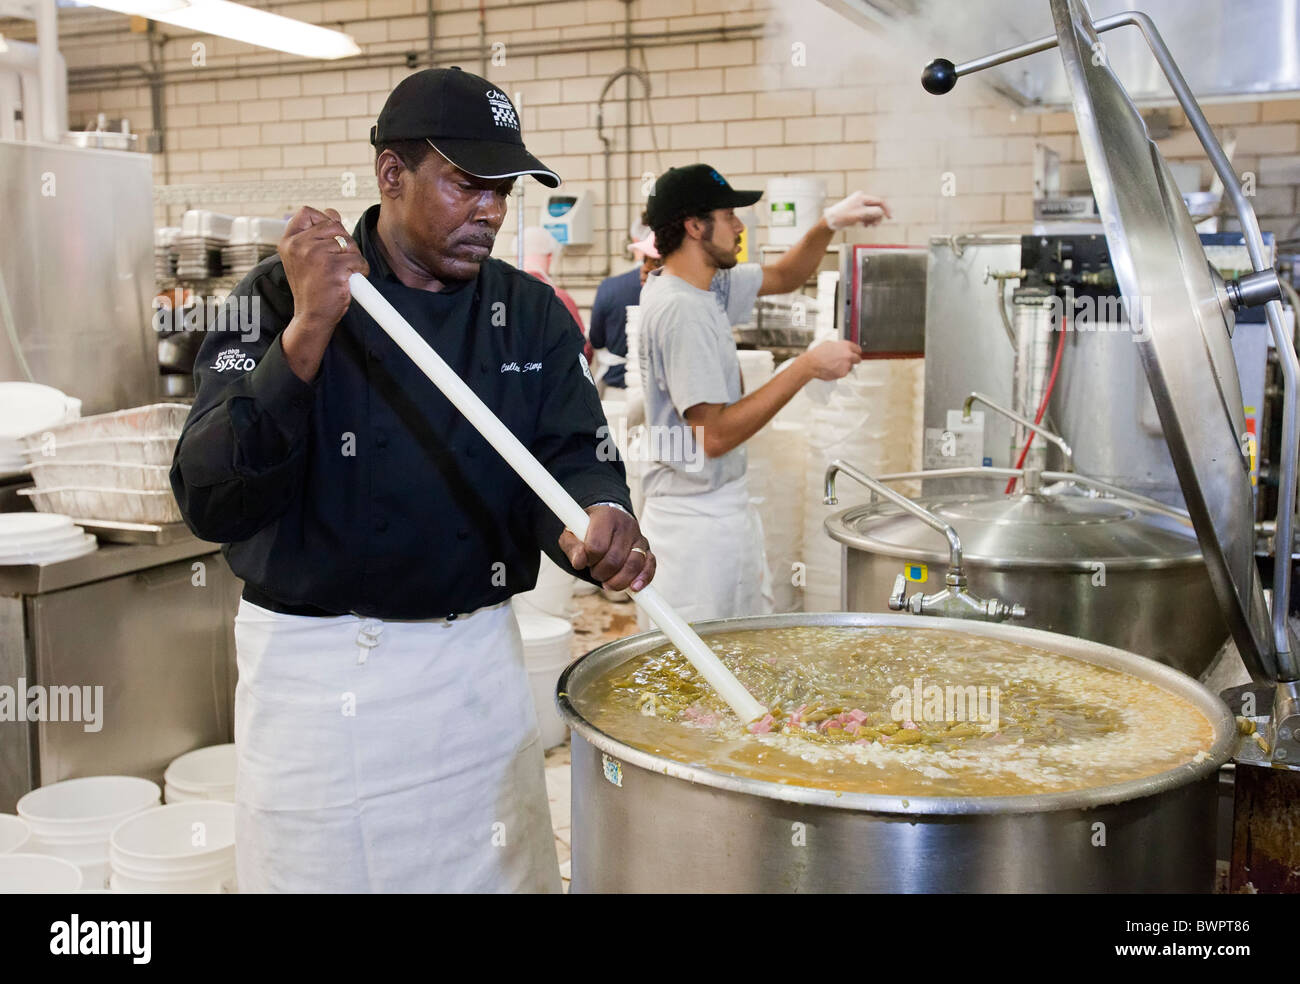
709, 552
388, 756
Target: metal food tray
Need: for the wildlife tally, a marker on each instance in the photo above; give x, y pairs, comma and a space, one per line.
124, 450
153, 534
117, 505
58, 473
150, 421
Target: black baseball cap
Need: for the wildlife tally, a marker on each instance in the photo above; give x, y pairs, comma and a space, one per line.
466, 119
693, 190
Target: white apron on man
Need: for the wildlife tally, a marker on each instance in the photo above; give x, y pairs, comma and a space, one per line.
388, 756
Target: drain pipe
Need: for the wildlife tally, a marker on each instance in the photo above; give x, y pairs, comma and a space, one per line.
631, 73
53, 88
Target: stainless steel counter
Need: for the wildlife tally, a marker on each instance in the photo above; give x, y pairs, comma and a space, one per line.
110, 560
143, 634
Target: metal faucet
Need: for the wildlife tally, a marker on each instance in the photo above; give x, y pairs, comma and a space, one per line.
954, 601
1067, 453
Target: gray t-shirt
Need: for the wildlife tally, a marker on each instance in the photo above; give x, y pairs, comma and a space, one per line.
688, 356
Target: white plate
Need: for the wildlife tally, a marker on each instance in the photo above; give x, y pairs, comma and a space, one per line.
24, 526
53, 540
88, 545
27, 407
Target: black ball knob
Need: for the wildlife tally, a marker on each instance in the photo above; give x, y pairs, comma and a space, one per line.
939, 76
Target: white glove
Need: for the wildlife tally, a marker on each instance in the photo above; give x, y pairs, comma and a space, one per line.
857, 209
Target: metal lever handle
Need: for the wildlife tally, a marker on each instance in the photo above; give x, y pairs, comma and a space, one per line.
954, 601
1066, 451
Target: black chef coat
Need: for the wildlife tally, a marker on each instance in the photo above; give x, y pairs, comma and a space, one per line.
366, 491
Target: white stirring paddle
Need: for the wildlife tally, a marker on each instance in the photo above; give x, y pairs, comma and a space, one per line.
549, 490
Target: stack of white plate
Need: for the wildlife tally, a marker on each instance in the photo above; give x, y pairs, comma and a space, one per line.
41, 538
26, 408
548, 645
74, 819
180, 848
203, 774
14, 834
633, 409
632, 331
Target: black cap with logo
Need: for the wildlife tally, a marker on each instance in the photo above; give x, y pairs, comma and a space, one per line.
466, 119
693, 190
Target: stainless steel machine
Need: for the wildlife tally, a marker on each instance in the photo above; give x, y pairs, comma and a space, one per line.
701, 829
76, 273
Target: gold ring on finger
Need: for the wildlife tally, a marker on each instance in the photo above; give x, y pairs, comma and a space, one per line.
343, 244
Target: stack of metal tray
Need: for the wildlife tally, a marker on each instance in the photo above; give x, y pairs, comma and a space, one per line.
111, 467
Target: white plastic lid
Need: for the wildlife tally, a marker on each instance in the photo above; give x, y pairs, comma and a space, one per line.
27, 407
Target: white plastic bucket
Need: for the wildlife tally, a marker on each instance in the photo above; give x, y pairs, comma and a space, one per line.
547, 640
29, 874
73, 819
14, 834
181, 847
547, 651
552, 594
203, 774
793, 206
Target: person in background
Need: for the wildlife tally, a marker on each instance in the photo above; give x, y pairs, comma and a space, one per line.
609, 311
540, 247
708, 539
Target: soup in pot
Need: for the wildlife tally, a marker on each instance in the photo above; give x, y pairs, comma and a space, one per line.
902, 712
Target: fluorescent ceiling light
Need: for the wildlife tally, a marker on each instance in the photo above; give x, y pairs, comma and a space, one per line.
141, 8
242, 23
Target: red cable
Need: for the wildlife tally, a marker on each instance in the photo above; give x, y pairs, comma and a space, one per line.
1042, 407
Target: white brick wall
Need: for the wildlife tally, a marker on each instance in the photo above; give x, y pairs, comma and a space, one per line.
861, 121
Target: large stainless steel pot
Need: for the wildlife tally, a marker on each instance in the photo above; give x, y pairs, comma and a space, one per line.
1096, 568
643, 823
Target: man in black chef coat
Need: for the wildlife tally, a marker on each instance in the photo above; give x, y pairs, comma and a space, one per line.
385, 730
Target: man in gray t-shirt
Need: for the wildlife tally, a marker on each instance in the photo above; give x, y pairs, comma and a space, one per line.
707, 539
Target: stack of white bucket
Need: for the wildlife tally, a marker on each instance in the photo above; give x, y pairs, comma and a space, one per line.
551, 596
203, 774
547, 646
74, 819
179, 848
110, 831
